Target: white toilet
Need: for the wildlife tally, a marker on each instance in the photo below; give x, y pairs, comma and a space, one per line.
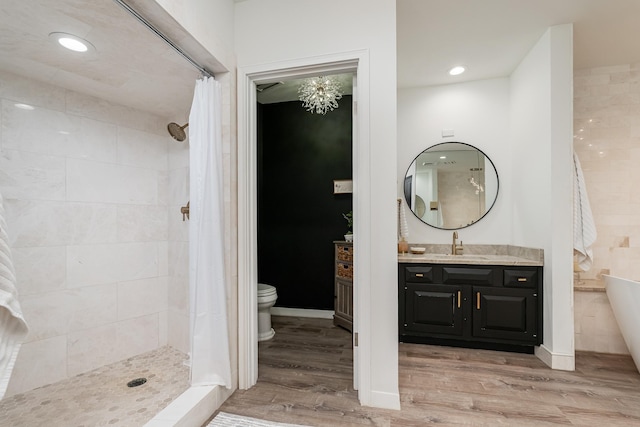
267, 297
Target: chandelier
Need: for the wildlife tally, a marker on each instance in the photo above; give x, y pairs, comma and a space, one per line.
320, 94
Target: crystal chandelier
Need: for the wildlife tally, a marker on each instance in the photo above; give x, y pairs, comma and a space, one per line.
320, 94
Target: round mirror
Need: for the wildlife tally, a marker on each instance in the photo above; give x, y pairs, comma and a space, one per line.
451, 185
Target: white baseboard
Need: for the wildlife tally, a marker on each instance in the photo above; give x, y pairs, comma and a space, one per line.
562, 362
302, 312
380, 399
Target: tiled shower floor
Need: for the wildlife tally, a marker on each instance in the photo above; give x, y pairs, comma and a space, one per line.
101, 397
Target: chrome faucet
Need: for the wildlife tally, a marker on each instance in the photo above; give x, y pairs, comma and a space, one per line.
455, 248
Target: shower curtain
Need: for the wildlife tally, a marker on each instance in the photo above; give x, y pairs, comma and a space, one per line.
210, 359
13, 328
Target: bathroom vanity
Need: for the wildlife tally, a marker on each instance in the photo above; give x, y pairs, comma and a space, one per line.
480, 301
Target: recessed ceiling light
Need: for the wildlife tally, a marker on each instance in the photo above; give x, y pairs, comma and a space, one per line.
72, 42
25, 107
456, 70
443, 157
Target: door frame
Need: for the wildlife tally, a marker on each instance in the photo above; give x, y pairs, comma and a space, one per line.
356, 62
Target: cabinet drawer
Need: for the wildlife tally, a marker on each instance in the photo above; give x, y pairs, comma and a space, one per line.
462, 275
344, 270
344, 253
520, 278
420, 274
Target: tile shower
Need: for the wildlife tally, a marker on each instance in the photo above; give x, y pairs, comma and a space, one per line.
607, 133
92, 195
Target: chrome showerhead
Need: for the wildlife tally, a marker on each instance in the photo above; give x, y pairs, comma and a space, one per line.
177, 131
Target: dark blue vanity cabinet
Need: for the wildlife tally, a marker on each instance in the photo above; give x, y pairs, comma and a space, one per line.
479, 306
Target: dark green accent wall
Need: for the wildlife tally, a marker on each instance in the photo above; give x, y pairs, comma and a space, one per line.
299, 217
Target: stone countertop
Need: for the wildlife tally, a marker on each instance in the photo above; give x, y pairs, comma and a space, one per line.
476, 255
588, 285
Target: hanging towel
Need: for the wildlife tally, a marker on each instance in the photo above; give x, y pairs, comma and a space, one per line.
13, 328
402, 221
584, 228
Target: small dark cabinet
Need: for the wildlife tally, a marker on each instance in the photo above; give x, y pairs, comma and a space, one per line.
497, 307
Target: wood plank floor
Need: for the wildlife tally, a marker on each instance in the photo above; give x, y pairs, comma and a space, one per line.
305, 378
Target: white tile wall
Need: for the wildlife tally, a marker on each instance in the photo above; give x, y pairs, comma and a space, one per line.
89, 181
607, 141
90, 202
32, 369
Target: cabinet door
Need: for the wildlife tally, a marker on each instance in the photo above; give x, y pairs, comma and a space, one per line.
343, 304
435, 309
503, 313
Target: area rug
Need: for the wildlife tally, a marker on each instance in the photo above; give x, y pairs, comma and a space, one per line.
224, 419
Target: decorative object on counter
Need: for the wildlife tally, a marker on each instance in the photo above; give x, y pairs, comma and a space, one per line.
451, 185
349, 217
320, 94
417, 250
184, 210
403, 229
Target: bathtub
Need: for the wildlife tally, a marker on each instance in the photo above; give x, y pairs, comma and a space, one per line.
624, 296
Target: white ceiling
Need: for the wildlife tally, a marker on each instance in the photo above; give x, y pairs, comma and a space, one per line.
490, 37
132, 66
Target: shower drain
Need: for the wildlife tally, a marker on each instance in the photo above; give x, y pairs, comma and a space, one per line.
137, 382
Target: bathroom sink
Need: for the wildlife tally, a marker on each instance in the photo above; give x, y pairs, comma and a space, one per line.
460, 257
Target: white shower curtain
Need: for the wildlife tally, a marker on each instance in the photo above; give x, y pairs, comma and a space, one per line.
210, 359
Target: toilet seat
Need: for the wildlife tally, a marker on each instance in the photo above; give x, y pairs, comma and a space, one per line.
265, 290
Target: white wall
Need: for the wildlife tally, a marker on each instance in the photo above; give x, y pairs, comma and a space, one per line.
85, 189
478, 112
541, 137
284, 30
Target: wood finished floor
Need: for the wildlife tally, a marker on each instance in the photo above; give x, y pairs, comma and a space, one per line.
305, 378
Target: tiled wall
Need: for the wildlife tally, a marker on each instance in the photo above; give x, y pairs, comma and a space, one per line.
461, 205
178, 314
89, 190
607, 141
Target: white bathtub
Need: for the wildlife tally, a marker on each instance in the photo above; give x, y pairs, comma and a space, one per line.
624, 296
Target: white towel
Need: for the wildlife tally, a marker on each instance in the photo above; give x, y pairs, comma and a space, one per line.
13, 328
404, 227
584, 228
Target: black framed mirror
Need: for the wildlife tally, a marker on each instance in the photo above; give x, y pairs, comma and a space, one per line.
451, 185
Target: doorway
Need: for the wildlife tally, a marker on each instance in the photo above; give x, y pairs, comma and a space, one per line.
300, 155
356, 63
